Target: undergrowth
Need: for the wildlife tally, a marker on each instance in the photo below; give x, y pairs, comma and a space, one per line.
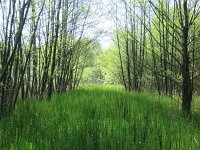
99, 117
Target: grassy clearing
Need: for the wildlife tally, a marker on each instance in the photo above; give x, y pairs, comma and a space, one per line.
99, 117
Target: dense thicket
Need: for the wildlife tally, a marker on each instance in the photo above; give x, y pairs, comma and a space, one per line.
42, 48
158, 46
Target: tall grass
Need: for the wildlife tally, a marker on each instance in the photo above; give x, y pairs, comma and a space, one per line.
99, 117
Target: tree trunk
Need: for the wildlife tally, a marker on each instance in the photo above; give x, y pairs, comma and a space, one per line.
186, 84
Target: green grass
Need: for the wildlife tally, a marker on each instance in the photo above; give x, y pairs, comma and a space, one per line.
99, 117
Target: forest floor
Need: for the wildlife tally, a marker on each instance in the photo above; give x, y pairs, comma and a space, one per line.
100, 117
